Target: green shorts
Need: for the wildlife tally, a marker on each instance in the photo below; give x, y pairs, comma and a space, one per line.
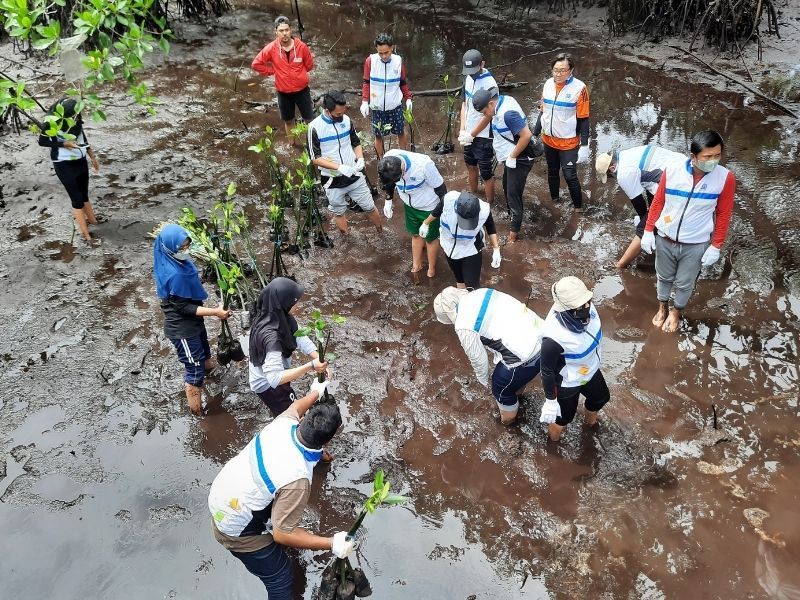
415, 217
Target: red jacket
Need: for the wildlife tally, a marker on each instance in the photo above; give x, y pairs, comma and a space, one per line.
290, 69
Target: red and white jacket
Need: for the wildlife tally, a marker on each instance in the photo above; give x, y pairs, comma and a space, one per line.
290, 68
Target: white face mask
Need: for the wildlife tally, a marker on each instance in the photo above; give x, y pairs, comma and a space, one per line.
182, 255
707, 165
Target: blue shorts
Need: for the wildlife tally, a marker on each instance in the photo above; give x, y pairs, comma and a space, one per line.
506, 382
480, 153
382, 118
193, 352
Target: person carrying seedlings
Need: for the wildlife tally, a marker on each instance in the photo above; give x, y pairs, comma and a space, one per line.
383, 92
571, 357
564, 126
421, 188
335, 148
68, 151
511, 139
289, 60
272, 343
258, 498
692, 210
462, 218
637, 171
475, 134
485, 319
182, 294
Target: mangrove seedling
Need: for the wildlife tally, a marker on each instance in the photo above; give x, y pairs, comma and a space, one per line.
444, 145
408, 117
322, 330
340, 581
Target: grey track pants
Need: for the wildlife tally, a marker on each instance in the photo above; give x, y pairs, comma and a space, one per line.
677, 266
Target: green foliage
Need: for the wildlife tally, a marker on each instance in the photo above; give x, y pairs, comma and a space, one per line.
380, 494
319, 326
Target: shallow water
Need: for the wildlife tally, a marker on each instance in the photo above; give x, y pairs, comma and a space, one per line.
104, 476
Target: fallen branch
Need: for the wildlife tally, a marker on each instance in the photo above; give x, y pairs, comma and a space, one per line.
740, 82
513, 62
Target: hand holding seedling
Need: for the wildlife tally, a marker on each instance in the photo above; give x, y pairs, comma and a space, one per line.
71, 145
222, 313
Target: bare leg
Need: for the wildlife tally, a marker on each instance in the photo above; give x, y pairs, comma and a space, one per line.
375, 219
89, 212
550, 206
661, 315
288, 125
341, 223
417, 247
488, 187
554, 431
80, 220
513, 236
507, 417
194, 398
379, 147
632, 252
591, 417
433, 252
672, 322
461, 286
472, 178
402, 140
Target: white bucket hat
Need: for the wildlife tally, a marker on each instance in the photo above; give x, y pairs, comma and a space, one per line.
446, 303
601, 165
570, 293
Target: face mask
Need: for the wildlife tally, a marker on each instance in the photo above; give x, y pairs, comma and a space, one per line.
582, 314
182, 255
337, 119
706, 166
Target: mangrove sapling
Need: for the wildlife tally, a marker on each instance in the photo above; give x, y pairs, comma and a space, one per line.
322, 331
408, 117
277, 267
309, 188
444, 145
228, 346
340, 581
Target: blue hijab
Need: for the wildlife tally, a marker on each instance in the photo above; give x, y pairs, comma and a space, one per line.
175, 277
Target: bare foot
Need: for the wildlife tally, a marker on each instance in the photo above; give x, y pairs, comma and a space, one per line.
591, 418
620, 265
431, 273
661, 315
672, 322
415, 275
513, 236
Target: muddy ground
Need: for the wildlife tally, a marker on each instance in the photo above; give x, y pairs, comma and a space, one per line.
104, 474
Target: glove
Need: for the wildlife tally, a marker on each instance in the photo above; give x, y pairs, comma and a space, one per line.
341, 546
464, 138
648, 242
710, 256
550, 410
423, 230
319, 387
583, 154
496, 258
636, 220
408, 105
511, 163
359, 164
364, 109
346, 170
387, 209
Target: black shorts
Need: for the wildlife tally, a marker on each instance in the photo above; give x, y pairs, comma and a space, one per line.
300, 100
595, 391
481, 154
74, 174
467, 270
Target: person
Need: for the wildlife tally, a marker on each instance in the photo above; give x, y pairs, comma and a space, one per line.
637, 171
383, 91
485, 319
258, 498
289, 60
563, 123
462, 218
272, 343
692, 210
335, 148
421, 188
68, 151
511, 139
474, 134
182, 294
571, 357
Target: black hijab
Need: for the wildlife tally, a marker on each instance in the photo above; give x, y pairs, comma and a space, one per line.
273, 327
69, 104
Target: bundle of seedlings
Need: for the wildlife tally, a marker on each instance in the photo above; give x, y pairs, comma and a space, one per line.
408, 117
322, 331
280, 185
228, 346
277, 268
340, 581
309, 189
444, 145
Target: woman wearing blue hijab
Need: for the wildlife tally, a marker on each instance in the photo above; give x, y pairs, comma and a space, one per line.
181, 292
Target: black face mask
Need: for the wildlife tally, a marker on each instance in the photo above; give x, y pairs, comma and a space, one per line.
581, 314
337, 119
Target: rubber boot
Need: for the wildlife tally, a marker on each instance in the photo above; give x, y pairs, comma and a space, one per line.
89, 212
194, 398
80, 220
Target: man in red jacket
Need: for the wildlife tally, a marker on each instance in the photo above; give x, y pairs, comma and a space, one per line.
290, 60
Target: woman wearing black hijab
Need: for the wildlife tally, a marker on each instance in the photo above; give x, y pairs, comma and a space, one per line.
272, 343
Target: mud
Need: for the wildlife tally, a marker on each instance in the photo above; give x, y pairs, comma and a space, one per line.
104, 474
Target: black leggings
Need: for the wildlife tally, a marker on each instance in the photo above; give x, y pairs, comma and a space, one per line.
513, 186
467, 270
566, 161
74, 174
595, 391
278, 399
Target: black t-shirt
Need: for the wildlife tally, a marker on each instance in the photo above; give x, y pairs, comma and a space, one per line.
180, 317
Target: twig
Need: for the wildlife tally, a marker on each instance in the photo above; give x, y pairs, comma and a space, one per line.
337, 41
513, 62
34, 98
19, 64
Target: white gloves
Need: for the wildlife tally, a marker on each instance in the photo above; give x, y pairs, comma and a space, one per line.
649, 242
464, 138
319, 387
387, 209
710, 256
496, 258
423, 230
511, 163
346, 170
341, 546
408, 105
550, 410
636, 220
360, 164
364, 109
583, 154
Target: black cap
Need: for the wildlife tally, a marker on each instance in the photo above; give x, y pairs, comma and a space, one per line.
481, 98
389, 169
468, 208
472, 62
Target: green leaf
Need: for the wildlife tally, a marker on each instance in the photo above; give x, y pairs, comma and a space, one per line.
302, 331
378, 484
338, 319
394, 499
164, 45
231, 189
